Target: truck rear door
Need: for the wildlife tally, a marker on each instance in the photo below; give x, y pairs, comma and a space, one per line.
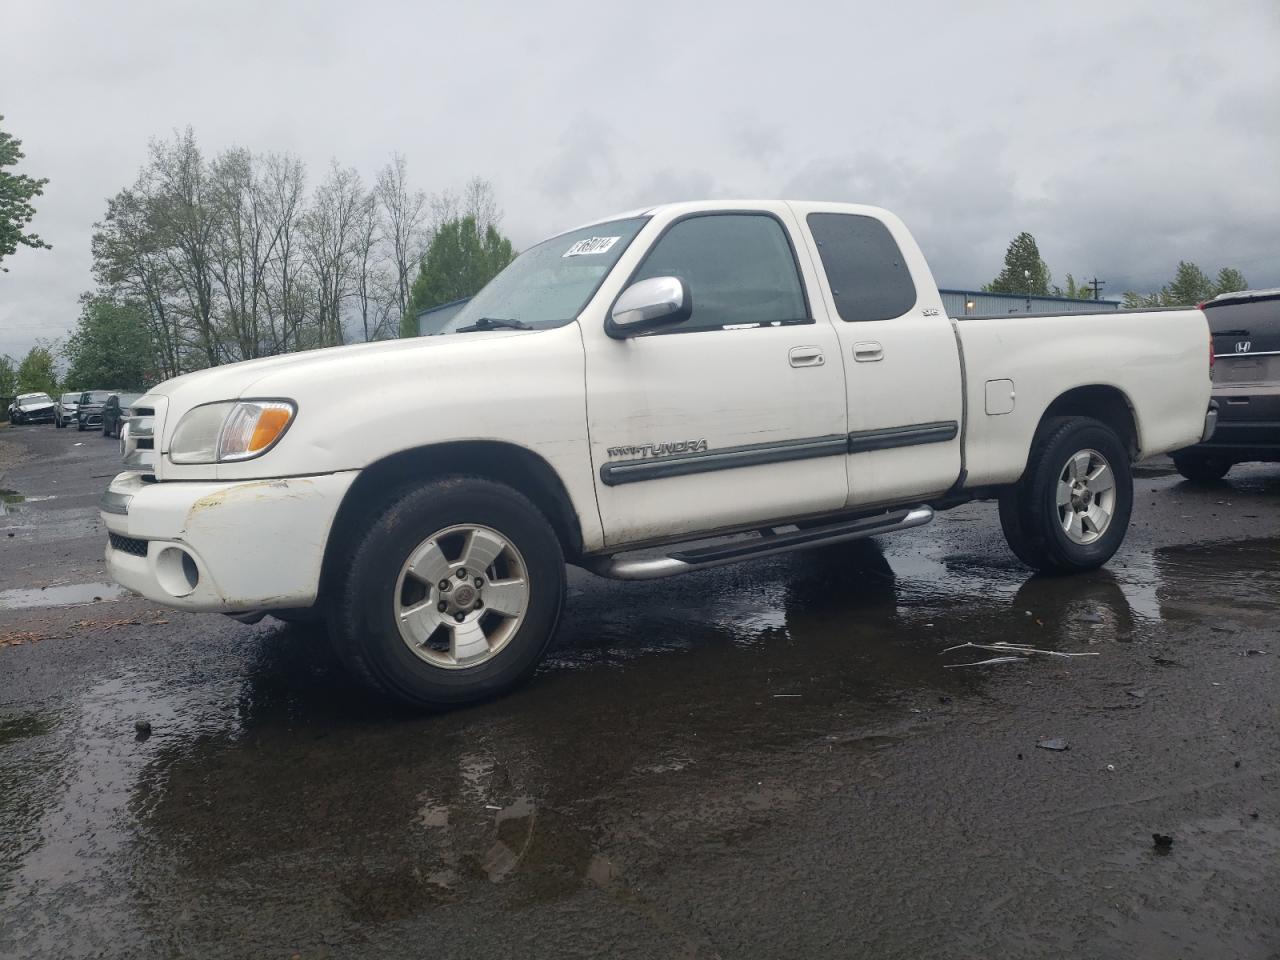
904, 385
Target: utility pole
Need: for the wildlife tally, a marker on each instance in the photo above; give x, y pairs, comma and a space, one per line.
1097, 285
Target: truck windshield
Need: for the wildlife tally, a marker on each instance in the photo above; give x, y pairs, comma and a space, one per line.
549, 284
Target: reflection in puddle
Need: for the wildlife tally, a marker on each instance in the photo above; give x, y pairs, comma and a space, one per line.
1243, 577
68, 595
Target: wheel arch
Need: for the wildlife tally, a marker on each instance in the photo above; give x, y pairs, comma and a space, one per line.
1104, 402
499, 461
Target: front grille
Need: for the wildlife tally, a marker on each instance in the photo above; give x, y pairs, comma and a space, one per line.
130, 545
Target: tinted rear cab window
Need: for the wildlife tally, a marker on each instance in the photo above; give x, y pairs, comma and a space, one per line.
865, 268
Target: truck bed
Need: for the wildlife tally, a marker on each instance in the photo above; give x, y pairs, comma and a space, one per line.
1135, 353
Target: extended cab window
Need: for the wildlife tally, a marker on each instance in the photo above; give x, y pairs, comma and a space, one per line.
869, 278
739, 268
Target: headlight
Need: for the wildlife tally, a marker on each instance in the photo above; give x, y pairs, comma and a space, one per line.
234, 430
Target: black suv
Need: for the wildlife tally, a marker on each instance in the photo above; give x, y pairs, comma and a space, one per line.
89, 412
115, 411
1246, 385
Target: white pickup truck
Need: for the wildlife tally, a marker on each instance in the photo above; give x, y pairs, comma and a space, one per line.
663, 391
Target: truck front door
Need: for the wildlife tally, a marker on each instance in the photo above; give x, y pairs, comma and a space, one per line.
736, 415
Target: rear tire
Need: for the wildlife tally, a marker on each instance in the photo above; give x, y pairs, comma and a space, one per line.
1070, 511
410, 558
1201, 469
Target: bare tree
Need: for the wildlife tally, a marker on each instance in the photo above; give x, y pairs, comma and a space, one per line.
186, 223
244, 246
284, 189
403, 213
476, 200
233, 258
373, 284
329, 230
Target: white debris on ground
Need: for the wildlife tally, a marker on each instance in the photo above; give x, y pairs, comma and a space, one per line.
1010, 653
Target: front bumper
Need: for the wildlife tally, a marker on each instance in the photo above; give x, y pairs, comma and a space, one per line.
221, 547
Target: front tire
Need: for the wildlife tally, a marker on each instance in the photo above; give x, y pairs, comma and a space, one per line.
451, 595
1070, 511
1202, 469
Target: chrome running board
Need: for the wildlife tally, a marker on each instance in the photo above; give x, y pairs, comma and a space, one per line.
622, 567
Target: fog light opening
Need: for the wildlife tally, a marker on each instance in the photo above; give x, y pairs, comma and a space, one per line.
176, 571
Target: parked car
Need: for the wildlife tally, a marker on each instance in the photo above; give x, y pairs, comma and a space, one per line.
89, 411
1246, 386
65, 409
784, 373
115, 411
31, 408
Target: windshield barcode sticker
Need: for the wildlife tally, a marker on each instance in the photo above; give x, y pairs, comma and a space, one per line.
585, 248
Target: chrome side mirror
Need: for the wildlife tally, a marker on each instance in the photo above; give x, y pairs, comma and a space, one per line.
649, 304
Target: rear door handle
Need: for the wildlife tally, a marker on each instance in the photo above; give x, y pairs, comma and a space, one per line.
868, 351
807, 357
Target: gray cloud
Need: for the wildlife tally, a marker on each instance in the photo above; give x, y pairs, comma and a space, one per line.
1124, 136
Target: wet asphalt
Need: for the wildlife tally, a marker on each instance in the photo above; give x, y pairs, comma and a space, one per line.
769, 760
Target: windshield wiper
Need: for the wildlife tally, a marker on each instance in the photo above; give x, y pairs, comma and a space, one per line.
494, 323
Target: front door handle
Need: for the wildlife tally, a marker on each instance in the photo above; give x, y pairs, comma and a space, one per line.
806, 357
868, 351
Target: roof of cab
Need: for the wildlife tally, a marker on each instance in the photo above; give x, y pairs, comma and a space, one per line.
698, 206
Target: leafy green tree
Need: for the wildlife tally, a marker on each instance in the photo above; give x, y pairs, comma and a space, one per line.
1229, 280
17, 190
1076, 291
460, 260
8, 376
1024, 272
111, 347
36, 373
1140, 301
1190, 285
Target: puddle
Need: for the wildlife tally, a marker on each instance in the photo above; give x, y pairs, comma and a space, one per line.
70, 595
16, 728
10, 496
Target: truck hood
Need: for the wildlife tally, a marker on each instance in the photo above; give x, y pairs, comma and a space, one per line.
358, 404
237, 380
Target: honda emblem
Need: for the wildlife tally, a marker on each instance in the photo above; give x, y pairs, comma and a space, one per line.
1244, 346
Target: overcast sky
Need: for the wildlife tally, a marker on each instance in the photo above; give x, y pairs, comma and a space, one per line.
1124, 135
